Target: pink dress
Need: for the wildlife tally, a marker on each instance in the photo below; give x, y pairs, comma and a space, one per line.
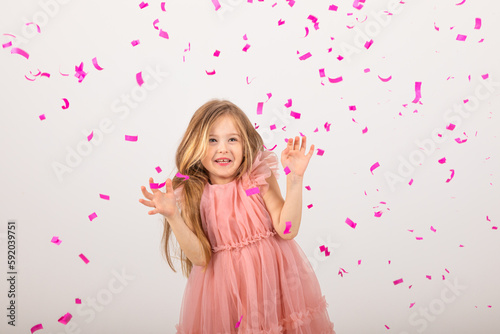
254, 275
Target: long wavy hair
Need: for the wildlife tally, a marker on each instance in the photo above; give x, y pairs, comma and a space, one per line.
190, 152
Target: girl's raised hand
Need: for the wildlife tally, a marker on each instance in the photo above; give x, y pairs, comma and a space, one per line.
296, 158
164, 203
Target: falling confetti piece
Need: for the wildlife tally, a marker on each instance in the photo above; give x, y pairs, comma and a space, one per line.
163, 34
252, 191
320, 152
288, 227
295, 115
37, 26
65, 318
386, 79
138, 78
419, 238
135, 42
287, 170
36, 327
374, 166
461, 37
280, 22
442, 160
386, 326
450, 127
90, 136
143, 5
289, 103
66, 104
365, 130
433, 229
451, 177
42, 117
131, 138
461, 3
238, 323
94, 61
418, 96
368, 44
398, 281
216, 53
84, 258
259, 108
106, 197
411, 305
216, 4
56, 240
428, 276
246, 47
213, 72
309, 206
335, 80
20, 52
350, 223
304, 57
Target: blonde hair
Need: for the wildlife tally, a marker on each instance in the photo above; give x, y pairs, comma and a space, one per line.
190, 152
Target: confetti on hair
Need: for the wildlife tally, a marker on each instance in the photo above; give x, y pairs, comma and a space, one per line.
179, 175
65, 318
350, 223
451, 177
84, 258
36, 327
56, 240
374, 166
131, 138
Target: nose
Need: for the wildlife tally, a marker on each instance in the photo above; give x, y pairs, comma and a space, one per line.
222, 147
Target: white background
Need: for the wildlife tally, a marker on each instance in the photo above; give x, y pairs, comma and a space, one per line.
52, 176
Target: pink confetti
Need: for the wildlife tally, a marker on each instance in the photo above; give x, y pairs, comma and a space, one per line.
287, 170
478, 23
461, 37
66, 104
84, 258
138, 78
135, 42
7, 45
419, 238
365, 130
308, 188
216, 53
368, 44
386, 326
321, 72
90, 136
179, 175
428, 276
94, 61
460, 141
288, 226
106, 197
352, 108
350, 223
37, 26
359, 262
484, 76
433, 229
411, 305
307, 32
450, 127
162, 5
378, 214
436, 27
93, 216
42, 117
280, 22
488, 219
56, 240
270, 149
304, 57
216, 4
65, 318
213, 72
442, 160
461, 3
246, 47
155, 24
158, 169
418, 96
273, 127
333, 7
259, 108
335, 80
461, 245
398, 281
20, 52
36, 327
269, 95
386, 79
131, 138
309, 206
446, 270
327, 126
78, 301
374, 166
295, 115
451, 177
143, 5
238, 323
163, 34
289, 103
411, 181
245, 37
252, 191
366, 70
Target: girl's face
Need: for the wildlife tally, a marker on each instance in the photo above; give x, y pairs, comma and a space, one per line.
224, 142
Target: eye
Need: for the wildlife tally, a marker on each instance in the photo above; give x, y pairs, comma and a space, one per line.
233, 138
210, 140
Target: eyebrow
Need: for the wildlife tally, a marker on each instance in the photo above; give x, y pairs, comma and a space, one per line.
231, 134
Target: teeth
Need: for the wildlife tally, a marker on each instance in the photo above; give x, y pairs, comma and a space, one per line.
222, 160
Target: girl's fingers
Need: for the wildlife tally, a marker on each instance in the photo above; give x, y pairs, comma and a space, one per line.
145, 193
147, 203
303, 147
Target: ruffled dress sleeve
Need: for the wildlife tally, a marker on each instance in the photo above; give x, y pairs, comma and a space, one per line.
265, 164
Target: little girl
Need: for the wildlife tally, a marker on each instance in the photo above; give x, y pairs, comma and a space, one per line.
245, 272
